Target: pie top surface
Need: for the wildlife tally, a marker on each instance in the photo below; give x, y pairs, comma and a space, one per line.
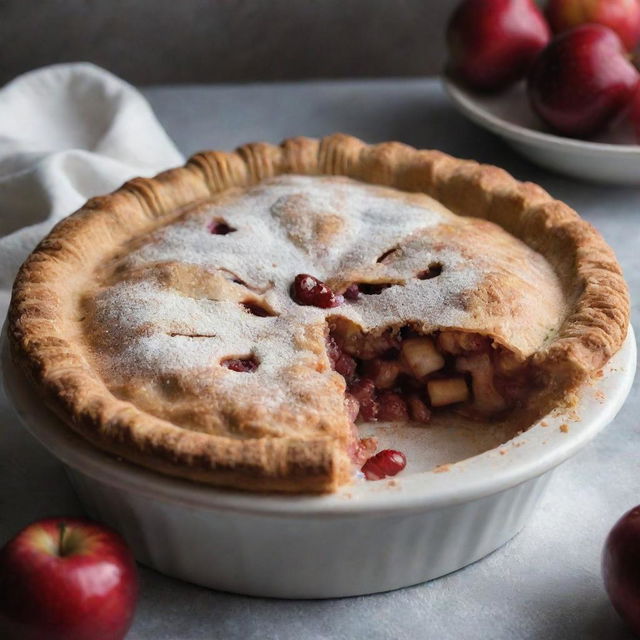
178, 340
164, 316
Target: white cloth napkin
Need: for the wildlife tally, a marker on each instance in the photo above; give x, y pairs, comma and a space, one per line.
68, 132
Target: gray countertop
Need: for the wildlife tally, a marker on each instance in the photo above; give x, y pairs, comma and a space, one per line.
543, 584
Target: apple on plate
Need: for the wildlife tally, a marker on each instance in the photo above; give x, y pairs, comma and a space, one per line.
621, 567
622, 16
66, 579
492, 43
582, 81
633, 115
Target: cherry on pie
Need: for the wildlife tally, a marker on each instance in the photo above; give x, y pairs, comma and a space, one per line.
231, 321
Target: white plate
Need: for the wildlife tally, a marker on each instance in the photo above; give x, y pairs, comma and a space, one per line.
368, 537
611, 158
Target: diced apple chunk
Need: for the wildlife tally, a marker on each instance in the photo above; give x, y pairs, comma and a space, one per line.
383, 372
462, 342
421, 356
444, 391
347, 336
485, 397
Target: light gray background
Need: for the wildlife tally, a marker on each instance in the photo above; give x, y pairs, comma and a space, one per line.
545, 583
154, 41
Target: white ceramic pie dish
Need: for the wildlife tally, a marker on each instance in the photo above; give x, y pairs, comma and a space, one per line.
366, 538
612, 158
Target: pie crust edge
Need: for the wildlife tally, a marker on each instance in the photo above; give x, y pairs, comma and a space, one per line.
42, 341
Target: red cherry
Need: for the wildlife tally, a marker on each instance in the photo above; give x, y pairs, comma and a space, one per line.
309, 291
364, 391
392, 407
345, 365
385, 463
341, 362
418, 409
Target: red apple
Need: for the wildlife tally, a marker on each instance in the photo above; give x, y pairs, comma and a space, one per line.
492, 43
582, 80
633, 115
66, 579
622, 16
621, 567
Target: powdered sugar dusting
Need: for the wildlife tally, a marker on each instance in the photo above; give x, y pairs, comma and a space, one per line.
336, 229
280, 227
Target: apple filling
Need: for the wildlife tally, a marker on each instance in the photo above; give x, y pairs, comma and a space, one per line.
403, 375
399, 375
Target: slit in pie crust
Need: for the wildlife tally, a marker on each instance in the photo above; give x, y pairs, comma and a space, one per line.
228, 321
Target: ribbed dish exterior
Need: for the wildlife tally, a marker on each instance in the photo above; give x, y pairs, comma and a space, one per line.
325, 556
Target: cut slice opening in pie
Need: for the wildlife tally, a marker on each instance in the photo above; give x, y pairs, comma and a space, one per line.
233, 320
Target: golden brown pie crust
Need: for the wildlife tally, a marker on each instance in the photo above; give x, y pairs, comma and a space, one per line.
44, 333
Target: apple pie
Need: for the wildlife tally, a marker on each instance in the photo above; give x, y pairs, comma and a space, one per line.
233, 320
